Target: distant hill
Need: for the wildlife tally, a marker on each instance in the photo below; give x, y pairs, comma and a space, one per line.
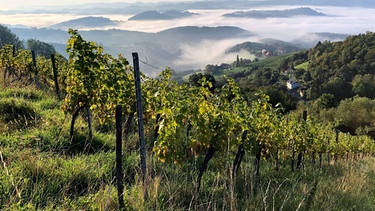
305, 11
271, 46
156, 15
332, 36
85, 22
193, 32
343, 69
314, 38
116, 37
161, 49
44, 34
15, 26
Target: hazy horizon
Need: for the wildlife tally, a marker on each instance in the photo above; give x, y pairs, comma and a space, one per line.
342, 20
17, 4
338, 19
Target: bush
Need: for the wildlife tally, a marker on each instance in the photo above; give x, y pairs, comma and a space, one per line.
17, 113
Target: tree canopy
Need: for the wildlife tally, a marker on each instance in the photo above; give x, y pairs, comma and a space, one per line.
8, 37
40, 48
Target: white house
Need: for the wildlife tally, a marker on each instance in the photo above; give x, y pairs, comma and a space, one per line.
292, 84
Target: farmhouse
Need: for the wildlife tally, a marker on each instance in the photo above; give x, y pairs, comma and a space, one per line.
292, 84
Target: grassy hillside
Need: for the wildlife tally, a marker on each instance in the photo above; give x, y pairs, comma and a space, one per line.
42, 169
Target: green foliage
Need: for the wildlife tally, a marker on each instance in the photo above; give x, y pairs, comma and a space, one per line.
196, 79
343, 69
364, 85
191, 119
268, 75
96, 79
263, 123
338, 87
303, 66
349, 116
331, 62
42, 169
40, 48
216, 69
325, 101
18, 69
9, 38
84, 71
274, 47
357, 112
279, 95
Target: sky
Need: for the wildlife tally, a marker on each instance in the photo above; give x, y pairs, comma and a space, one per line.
16, 4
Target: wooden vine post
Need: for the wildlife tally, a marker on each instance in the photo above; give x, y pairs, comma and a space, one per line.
119, 172
55, 76
300, 154
33, 57
142, 143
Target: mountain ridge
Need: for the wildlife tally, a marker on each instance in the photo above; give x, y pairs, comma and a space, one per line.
301, 11
85, 22
161, 48
156, 15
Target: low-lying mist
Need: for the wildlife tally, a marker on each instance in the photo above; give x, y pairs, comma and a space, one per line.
198, 53
209, 52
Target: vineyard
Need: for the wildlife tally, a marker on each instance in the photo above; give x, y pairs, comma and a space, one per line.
208, 148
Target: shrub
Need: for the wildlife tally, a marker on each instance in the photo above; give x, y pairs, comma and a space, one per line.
17, 113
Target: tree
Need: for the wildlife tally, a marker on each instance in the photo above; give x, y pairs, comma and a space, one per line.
325, 101
299, 73
370, 57
7, 37
197, 80
279, 95
364, 85
40, 48
356, 112
339, 88
307, 77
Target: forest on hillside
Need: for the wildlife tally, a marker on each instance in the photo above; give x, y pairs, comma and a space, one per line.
332, 75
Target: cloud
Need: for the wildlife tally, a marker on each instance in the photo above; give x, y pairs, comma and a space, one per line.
199, 54
339, 20
343, 20
36, 20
